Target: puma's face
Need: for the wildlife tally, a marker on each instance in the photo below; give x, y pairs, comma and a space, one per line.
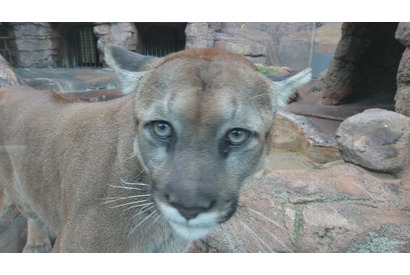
204, 127
204, 121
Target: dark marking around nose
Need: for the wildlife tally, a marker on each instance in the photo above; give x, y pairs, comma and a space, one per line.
190, 212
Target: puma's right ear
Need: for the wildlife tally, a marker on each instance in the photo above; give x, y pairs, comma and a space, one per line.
130, 67
284, 88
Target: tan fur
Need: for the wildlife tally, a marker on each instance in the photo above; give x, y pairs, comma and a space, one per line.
74, 168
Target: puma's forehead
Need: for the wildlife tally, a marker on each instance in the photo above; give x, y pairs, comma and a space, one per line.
207, 91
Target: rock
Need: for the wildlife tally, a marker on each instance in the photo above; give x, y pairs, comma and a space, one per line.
403, 72
7, 75
402, 99
284, 70
376, 139
63, 80
319, 83
361, 66
298, 134
338, 209
201, 35
258, 33
403, 33
252, 50
35, 45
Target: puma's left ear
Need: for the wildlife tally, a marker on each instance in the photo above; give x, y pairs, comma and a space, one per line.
130, 67
284, 89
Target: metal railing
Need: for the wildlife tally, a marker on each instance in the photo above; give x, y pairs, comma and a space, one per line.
162, 40
83, 48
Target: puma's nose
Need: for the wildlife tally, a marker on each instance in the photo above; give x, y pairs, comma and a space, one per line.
190, 210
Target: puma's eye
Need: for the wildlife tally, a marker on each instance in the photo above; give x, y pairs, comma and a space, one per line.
162, 129
237, 136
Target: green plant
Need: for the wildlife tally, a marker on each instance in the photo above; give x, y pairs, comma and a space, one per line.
243, 27
266, 70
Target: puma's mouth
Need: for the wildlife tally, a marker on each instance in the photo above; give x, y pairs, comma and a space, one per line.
191, 232
192, 229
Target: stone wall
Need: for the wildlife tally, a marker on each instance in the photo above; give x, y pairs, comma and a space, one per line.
271, 43
201, 35
402, 97
35, 45
42, 45
278, 44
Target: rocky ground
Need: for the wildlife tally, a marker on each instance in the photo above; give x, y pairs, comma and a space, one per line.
337, 208
309, 199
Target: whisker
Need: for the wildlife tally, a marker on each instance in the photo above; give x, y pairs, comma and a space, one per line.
156, 219
107, 202
279, 241
266, 218
114, 199
128, 203
129, 197
267, 94
257, 242
140, 205
139, 174
143, 211
134, 183
252, 233
125, 187
144, 220
132, 156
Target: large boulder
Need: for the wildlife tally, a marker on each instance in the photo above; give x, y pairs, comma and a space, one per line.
376, 139
362, 67
7, 75
402, 97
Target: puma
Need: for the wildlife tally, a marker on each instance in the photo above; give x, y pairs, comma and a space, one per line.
147, 172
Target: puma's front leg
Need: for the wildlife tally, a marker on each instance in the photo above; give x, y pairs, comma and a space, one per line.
37, 242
